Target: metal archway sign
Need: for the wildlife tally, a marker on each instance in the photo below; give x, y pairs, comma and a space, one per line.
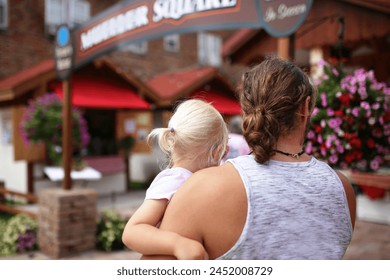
141, 20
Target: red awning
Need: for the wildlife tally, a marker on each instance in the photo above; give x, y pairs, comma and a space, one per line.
221, 102
98, 93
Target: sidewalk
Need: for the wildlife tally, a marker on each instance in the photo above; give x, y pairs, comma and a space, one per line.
371, 239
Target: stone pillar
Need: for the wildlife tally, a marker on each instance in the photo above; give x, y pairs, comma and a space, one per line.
67, 221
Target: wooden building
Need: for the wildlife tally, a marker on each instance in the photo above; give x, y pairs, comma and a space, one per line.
121, 94
357, 30
158, 73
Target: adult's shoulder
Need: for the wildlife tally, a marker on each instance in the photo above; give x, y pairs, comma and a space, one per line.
350, 194
209, 182
209, 207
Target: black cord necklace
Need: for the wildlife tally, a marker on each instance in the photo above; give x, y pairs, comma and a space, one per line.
296, 156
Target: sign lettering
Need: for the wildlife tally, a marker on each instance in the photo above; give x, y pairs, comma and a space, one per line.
115, 26
176, 9
132, 21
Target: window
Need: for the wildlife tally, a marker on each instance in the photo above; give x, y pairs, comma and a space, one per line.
137, 48
3, 14
209, 49
172, 43
71, 12
80, 12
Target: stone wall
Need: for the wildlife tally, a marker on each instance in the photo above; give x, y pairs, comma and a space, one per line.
67, 221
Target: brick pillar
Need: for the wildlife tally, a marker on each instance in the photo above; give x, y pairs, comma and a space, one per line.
67, 221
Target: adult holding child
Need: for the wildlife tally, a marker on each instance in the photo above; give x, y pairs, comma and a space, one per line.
277, 202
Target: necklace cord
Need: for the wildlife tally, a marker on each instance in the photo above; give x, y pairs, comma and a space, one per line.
294, 155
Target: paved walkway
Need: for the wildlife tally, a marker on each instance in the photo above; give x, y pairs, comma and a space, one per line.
371, 239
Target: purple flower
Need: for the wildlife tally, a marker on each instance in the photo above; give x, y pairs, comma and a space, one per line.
26, 241
334, 123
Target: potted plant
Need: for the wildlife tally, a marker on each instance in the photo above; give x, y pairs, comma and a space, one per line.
42, 122
350, 124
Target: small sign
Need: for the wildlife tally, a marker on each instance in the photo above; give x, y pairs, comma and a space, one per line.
281, 18
63, 52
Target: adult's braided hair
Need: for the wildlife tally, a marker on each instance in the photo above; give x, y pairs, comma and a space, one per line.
271, 94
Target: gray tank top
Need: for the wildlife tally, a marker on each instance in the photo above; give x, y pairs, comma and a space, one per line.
295, 211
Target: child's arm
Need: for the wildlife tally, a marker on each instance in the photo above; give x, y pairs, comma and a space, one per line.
142, 235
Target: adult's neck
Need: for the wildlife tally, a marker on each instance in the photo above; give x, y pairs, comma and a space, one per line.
292, 144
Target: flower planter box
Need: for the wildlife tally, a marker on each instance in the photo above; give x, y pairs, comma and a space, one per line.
374, 185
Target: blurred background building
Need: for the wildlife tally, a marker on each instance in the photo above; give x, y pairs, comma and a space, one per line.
129, 91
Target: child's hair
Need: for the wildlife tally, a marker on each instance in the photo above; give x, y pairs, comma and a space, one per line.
196, 132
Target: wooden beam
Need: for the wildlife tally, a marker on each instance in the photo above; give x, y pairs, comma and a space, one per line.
30, 177
67, 133
28, 196
286, 47
14, 210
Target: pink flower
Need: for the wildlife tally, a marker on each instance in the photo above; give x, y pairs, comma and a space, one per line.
365, 105
315, 111
355, 111
334, 123
376, 106
340, 149
374, 165
323, 99
350, 124
310, 134
309, 147
333, 159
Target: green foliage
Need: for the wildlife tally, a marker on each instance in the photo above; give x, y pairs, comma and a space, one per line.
17, 234
109, 231
42, 122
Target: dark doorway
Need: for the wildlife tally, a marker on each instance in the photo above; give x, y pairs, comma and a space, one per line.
101, 126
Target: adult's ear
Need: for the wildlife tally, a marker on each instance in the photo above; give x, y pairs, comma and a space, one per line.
305, 110
308, 107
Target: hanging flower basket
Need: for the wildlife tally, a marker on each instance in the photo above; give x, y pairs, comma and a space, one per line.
351, 121
42, 122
